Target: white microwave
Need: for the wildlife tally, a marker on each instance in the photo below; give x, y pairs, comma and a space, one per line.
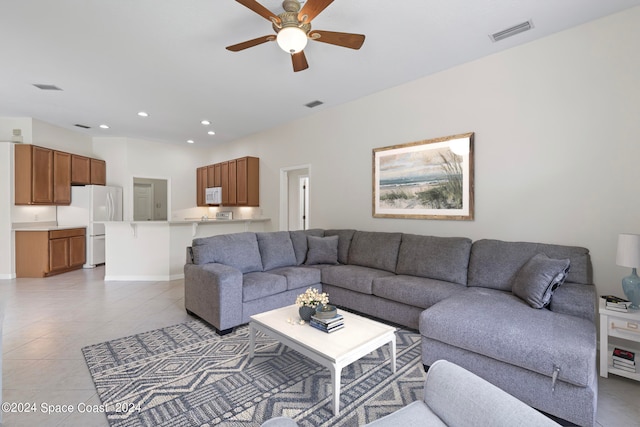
213, 195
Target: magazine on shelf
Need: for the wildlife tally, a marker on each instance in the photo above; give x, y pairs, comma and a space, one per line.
623, 367
624, 356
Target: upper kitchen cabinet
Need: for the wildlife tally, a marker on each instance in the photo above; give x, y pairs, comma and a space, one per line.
86, 171
98, 172
41, 176
61, 178
80, 170
248, 181
239, 179
201, 185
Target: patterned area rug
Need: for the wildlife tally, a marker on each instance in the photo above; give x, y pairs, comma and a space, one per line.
187, 375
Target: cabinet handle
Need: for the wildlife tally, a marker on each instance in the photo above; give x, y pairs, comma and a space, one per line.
629, 327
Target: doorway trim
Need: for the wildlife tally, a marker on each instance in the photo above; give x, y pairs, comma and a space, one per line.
284, 193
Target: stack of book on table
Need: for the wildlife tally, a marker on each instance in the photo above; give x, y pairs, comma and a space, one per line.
328, 325
615, 303
624, 359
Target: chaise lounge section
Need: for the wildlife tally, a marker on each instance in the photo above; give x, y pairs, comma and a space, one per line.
487, 305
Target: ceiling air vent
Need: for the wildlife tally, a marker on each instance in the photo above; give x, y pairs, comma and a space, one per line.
47, 87
82, 126
512, 31
313, 104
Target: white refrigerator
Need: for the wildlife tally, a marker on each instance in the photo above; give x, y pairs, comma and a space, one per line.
91, 205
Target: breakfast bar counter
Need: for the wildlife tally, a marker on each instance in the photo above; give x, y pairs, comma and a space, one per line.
156, 250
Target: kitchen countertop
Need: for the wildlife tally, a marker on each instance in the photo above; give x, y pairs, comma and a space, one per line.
43, 227
190, 221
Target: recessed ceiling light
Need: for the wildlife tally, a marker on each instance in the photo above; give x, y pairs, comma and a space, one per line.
104, 126
190, 141
143, 114
206, 122
211, 132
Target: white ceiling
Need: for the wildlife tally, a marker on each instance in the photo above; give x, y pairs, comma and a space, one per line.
167, 57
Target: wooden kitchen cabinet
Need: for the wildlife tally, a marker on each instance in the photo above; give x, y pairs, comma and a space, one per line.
239, 179
248, 181
233, 183
224, 182
42, 176
201, 184
80, 170
46, 253
88, 171
61, 178
98, 172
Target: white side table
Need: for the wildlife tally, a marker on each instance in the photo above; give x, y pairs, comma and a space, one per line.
621, 325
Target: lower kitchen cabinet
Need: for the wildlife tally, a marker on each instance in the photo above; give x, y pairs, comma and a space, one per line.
44, 253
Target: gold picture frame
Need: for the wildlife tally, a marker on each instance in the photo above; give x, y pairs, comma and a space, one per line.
430, 179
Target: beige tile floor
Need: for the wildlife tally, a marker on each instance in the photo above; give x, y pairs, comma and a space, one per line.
48, 321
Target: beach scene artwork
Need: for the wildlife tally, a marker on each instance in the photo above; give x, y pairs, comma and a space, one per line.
427, 179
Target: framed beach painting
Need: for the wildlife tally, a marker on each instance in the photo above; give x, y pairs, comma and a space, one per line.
431, 179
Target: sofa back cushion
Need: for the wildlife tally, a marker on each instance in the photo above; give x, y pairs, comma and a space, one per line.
299, 240
495, 263
440, 258
239, 250
276, 250
375, 250
344, 243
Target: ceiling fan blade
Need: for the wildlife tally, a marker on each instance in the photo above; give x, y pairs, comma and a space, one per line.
312, 8
299, 61
251, 43
352, 41
259, 9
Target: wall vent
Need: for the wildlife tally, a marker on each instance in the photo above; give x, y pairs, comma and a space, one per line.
511, 31
313, 104
46, 87
82, 126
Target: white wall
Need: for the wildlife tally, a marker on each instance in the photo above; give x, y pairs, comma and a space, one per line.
128, 157
7, 270
556, 144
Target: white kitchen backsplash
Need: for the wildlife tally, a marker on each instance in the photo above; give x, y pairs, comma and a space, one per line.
22, 214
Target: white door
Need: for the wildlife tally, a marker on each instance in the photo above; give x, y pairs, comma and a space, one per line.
143, 202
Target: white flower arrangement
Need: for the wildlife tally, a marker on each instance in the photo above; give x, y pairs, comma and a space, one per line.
311, 298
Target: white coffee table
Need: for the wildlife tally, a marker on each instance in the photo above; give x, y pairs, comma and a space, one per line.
359, 337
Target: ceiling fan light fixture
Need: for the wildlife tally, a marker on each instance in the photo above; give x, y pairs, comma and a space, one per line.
292, 39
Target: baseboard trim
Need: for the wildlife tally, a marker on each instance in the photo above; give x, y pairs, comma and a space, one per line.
113, 278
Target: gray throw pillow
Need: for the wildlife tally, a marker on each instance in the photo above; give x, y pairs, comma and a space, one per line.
538, 278
322, 250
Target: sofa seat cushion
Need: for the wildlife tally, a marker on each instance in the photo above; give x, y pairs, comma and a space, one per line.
299, 277
259, 285
416, 291
441, 258
501, 326
353, 277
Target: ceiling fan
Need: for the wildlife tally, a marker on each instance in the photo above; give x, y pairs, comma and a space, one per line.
293, 30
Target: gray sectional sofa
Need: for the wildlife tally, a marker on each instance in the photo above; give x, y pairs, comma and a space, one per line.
489, 306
